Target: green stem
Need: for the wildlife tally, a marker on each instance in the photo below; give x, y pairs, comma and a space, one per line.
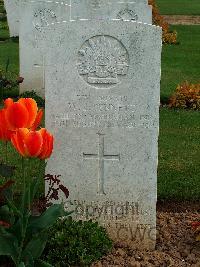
1, 87
24, 184
23, 239
29, 185
6, 150
23, 224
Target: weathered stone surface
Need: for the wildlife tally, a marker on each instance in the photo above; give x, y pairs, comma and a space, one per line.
102, 105
106, 10
35, 15
12, 10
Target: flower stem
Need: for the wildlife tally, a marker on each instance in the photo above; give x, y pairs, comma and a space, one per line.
25, 216
24, 184
29, 185
6, 150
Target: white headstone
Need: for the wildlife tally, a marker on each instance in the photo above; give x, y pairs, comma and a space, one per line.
12, 10
102, 105
35, 15
105, 9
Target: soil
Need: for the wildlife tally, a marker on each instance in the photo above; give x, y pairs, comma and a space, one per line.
182, 19
176, 241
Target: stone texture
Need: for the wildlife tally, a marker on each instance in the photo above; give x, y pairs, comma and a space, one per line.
12, 10
35, 15
105, 10
102, 105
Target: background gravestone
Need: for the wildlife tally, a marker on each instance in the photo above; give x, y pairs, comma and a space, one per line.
12, 10
105, 9
102, 105
35, 15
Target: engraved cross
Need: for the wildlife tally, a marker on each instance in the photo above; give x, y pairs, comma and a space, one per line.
101, 157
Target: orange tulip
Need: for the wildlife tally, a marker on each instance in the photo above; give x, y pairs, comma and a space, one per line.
37, 120
47, 145
27, 143
5, 134
33, 143
22, 114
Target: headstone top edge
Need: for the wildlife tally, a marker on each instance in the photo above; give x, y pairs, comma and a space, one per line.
46, 1
104, 21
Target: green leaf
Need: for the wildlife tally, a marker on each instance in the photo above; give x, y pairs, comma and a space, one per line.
5, 189
48, 218
34, 188
6, 214
28, 199
6, 170
14, 208
8, 245
41, 263
36, 246
21, 264
16, 228
7, 64
29, 261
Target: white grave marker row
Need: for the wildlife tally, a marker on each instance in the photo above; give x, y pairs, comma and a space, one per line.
34, 15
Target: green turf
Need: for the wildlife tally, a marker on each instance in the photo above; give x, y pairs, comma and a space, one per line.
179, 155
181, 62
9, 49
4, 34
34, 168
179, 7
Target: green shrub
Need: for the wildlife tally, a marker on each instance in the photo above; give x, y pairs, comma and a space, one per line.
2, 9
31, 94
3, 17
4, 26
76, 243
8, 81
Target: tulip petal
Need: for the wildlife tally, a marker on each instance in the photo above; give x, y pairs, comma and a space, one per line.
18, 141
50, 146
47, 144
16, 116
37, 120
33, 142
5, 134
8, 102
32, 109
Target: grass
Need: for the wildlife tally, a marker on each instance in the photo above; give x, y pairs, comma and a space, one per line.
179, 155
9, 49
4, 33
34, 168
179, 7
180, 62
